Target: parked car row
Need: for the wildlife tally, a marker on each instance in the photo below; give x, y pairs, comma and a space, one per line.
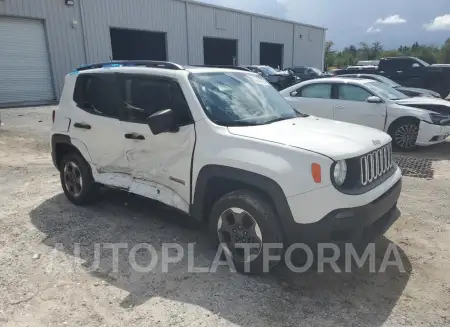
279, 79
409, 91
225, 147
411, 121
408, 71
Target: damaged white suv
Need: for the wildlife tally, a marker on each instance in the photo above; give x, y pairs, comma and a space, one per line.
225, 147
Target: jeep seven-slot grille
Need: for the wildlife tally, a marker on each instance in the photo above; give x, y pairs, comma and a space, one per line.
375, 164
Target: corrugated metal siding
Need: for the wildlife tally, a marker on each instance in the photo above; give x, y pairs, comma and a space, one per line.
211, 22
24, 62
180, 20
308, 46
272, 31
64, 42
150, 15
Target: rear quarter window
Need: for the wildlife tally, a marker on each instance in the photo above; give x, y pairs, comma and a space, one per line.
98, 94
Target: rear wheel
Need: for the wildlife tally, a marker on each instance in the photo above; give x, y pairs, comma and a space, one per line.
76, 179
240, 219
404, 134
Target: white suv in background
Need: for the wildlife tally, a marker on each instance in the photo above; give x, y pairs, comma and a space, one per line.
410, 121
223, 146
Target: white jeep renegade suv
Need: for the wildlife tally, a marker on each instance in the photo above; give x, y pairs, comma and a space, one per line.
225, 147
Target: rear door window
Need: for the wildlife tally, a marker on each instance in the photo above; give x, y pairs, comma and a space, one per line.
317, 91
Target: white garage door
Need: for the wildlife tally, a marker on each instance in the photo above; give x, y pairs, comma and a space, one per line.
24, 62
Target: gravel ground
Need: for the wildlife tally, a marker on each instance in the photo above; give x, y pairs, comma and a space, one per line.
43, 282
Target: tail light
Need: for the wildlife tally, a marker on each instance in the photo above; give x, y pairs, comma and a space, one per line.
53, 116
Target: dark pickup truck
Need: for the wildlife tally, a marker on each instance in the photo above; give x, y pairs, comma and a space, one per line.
409, 71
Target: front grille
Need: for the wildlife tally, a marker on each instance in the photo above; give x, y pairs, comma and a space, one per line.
375, 164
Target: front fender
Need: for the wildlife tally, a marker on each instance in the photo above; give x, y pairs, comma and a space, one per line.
288, 166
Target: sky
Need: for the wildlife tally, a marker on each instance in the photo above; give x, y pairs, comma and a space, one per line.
391, 22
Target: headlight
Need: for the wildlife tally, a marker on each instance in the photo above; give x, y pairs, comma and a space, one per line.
439, 119
340, 172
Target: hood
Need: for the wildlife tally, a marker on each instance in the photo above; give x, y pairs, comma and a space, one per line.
334, 139
284, 73
441, 65
427, 103
418, 91
280, 74
424, 101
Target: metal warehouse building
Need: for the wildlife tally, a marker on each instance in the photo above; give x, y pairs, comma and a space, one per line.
42, 40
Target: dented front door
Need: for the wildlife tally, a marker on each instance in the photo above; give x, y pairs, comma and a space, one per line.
160, 164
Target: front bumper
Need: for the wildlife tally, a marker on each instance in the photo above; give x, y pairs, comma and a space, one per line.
361, 223
430, 134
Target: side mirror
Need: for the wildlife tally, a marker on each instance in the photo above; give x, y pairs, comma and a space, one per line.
294, 93
415, 65
161, 121
374, 99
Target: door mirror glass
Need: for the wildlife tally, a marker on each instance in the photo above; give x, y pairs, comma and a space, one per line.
162, 121
294, 93
374, 99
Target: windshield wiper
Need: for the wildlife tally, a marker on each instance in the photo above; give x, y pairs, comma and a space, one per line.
236, 123
276, 120
300, 114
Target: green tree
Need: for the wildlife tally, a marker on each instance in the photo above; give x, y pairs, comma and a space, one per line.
445, 58
376, 50
391, 53
329, 54
352, 54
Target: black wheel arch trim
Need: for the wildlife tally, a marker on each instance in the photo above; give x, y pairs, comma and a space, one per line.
267, 185
58, 139
63, 139
398, 119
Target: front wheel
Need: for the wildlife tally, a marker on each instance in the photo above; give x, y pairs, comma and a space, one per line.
243, 223
404, 134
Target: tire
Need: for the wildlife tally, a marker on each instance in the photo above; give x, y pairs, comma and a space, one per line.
246, 205
75, 170
409, 128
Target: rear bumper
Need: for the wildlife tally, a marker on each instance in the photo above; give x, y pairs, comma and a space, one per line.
430, 134
356, 224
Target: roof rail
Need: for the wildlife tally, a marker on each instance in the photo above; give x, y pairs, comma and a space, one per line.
122, 63
223, 66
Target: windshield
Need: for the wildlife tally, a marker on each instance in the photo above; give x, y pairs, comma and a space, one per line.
424, 63
387, 81
268, 70
240, 99
385, 91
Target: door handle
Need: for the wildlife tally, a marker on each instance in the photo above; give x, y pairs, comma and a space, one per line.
134, 136
82, 125
339, 107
